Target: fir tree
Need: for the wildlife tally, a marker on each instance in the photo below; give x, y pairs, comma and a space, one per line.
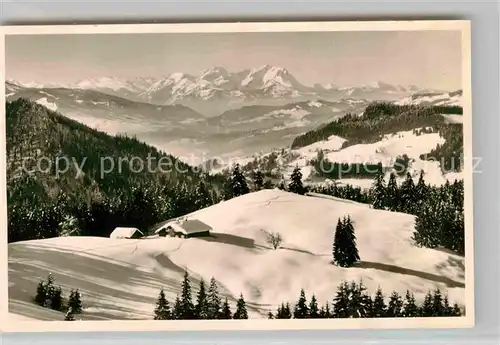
395, 305
75, 301
447, 308
280, 311
360, 304
295, 185
202, 196
392, 193
301, 311
341, 301
313, 308
410, 308
345, 251
176, 311
427, 230
241, 309
238, 182
427, 307
379, 193
214, 302
226, 310
69, 315
338, 257
322, 313
57, 299
328, 313
456, 310
379, 308
420, 190
49, 286
287, 312
202, 309
258, 180
41, 294
437, 303
162, 310
407, 195
186, 311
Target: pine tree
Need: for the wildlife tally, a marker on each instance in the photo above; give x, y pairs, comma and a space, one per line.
176, 311
392, 193
186, 305
301, 311
322, 313
202, 196
41, 294
407, 195
341, 301
437, 303
313, 308
379, 193
226, 311
420, 191
75, 301
338, 257
287, 312
345, 252
295, 185
456, 310
201, 309
328, 313
427, 229
379, 307
238, 182
360, 304
214, 302
258, 180
69, 315
280, 310
162, 310
410, 308
427, 307
241, 309
57, 299
395, 305
49, 286
447, 308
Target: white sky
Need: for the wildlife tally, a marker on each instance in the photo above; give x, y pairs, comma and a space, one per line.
424, 58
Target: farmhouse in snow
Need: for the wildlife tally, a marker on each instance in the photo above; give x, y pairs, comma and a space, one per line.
120, 232
184, 228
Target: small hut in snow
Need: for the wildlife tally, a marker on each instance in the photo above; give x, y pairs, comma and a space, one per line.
130, 233
184, 228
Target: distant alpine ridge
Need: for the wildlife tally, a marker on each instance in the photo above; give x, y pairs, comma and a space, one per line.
266, 84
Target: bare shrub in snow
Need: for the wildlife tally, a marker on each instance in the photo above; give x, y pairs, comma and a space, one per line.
274, 239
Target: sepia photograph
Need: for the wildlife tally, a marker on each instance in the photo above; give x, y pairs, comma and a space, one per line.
254, 175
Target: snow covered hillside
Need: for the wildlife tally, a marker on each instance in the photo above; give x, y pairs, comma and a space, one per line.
120, 279
384, 151
434, 98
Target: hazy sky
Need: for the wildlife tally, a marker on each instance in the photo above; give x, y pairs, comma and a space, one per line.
424, 58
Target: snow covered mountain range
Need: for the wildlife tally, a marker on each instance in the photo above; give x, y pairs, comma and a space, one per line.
215, 90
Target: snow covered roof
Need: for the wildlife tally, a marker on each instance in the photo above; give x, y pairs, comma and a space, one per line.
124, 232
190, 226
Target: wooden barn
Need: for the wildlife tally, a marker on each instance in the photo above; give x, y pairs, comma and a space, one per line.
184, 228
124, 232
